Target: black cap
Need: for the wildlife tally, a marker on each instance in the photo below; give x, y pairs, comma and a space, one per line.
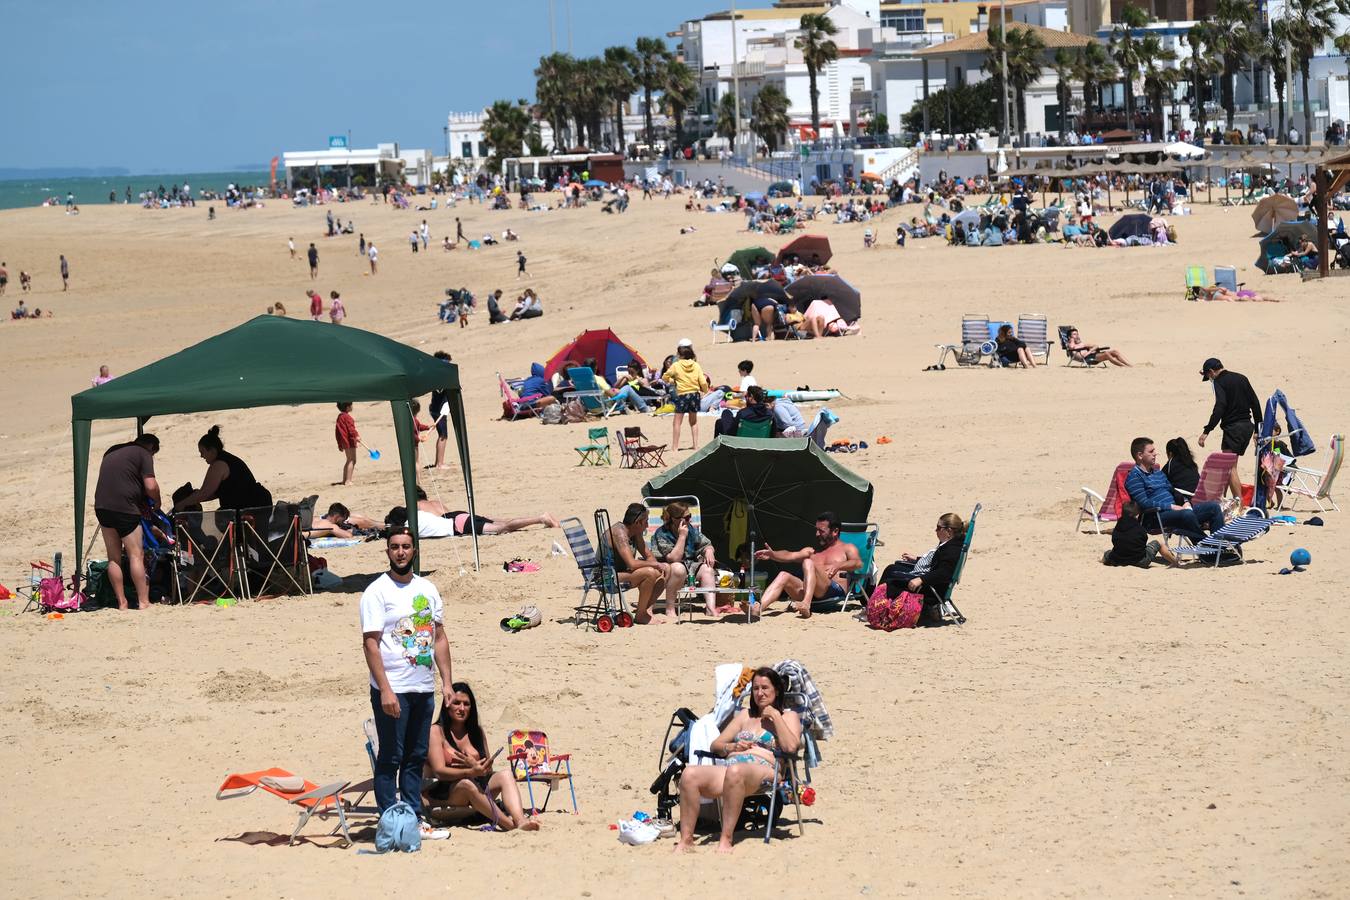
1210, 365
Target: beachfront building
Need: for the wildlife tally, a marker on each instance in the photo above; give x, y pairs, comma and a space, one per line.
342, 166
1328, 81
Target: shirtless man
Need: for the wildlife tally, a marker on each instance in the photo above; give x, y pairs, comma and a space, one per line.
825, 568
635, 565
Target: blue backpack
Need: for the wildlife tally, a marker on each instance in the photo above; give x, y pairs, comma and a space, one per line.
398, 830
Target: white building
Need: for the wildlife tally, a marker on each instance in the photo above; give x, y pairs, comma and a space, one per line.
1328, 81
344, 166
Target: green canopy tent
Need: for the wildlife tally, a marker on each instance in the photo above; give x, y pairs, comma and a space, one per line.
778, 485
270, 361
747, 258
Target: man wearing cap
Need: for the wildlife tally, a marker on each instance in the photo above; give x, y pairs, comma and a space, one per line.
1236, 409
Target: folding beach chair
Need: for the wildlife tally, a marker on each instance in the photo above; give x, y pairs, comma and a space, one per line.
760, 429
1086, 362
1033, 330
946, 607
274, 558
821, 425
587, 390
1228, 539
975, 343
305, 795
864, 538
1226, 277
1105, 509
595, 452
1315, 484
445, 815
513, 405
207, 560
636, 450
596, 575
728, 327
1195, 280
531, 762
1215, 475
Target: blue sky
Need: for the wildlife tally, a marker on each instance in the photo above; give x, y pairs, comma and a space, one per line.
149, 84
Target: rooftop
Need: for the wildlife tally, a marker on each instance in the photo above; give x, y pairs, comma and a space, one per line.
978, 41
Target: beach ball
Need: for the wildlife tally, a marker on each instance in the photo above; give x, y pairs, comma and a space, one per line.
1300, 557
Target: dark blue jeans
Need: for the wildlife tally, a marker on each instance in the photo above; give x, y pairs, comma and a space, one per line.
1194, 521
403, 749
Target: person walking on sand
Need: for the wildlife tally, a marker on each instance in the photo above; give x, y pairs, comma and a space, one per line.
425, 234
336, 312
402, 635
65, 273
313, 253
361, 247
4, 278
520, 264
347, 439
126, 482
1237, 410
290, 245
374, 256
459, 230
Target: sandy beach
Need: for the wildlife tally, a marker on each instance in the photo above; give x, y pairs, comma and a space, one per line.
1090, 731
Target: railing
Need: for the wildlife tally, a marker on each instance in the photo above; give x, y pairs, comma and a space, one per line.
907, 161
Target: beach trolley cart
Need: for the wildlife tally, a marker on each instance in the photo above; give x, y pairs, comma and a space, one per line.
597, 574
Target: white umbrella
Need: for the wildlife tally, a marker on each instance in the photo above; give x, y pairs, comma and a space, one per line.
1182, 149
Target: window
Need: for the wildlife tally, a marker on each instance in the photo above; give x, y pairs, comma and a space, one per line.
466, 149
482, 149
905, 22
858, 84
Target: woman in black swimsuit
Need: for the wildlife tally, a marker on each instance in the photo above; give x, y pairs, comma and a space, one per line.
459, 772
227, 479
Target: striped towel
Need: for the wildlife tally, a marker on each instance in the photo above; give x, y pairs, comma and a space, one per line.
800, 680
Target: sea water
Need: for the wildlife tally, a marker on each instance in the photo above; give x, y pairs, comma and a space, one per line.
93, 191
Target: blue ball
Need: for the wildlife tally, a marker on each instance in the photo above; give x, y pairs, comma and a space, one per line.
1300, 557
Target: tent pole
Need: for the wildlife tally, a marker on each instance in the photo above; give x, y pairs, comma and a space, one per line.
1321, 203
79, 430
404, 434
462, 444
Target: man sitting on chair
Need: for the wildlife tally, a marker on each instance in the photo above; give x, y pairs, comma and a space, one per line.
825, 568
1148, 486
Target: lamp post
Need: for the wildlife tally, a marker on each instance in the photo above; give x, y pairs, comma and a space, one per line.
1003, 56
735, 78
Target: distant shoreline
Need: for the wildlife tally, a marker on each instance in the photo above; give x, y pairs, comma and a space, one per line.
90, 190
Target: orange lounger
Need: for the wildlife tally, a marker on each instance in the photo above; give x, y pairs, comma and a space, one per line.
309, 797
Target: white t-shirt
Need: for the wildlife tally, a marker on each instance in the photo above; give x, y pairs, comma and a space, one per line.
407, 616
373, 253
430, 525
747, 381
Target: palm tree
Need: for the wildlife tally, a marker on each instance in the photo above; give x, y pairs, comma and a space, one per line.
678, 93
621, 83
553, 80
818, 51
726, 117
1063, 66
1310, 24
1024, 48
504, 128
592, 91
1127, 49
1273, 51
768, 115
649, 69
1094, 68
1203, 68
1160, 76
1342, 44
1232, 41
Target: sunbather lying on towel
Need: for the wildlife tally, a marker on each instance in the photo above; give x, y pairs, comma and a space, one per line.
458, 770
456, 523
340, 522
1222, 293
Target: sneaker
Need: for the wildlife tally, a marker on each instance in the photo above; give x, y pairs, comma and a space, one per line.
430, 833
636, 833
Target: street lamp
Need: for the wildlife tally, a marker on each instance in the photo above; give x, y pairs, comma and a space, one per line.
1003, 55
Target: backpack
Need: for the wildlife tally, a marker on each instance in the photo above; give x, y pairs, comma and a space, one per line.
573, 412
398, 830
887, 614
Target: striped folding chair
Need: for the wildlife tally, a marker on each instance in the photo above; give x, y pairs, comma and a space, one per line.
975, 343
1228, 539
1034, 331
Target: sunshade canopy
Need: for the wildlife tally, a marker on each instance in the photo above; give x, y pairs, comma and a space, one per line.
596, 182
1273, 209
747, 258
779, 485
970, 214
271, 361
843, 295
812, 249
1283, 238
783, 188
1132, 225
602, 345
754, 290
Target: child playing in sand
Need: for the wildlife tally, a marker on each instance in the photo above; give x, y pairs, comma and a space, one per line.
420, 429
347, 439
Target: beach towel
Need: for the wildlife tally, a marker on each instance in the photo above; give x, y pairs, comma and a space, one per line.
822, 727
328, 543
726, 678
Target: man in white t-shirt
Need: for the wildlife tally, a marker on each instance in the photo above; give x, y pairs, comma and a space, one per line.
402, 635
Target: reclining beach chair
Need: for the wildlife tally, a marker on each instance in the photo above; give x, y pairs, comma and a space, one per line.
531, 762
1195, 280
974, 342
596, 575
1086, 362
445, 815
637, 451
1215, 475
1314, 484
298, 792
587, 390
946, 607
513, 405
728, 327
1226, 277
1033, 330
821, 425
595, 452
1105, 509
862, 536
1228, 539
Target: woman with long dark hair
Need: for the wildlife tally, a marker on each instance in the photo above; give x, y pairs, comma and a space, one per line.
748, 743
1180, 469
459, 767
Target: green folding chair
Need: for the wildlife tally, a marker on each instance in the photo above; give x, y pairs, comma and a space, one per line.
596, 451
1195, 280
864, 538
760, 429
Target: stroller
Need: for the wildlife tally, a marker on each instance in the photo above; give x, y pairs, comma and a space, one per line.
688, 737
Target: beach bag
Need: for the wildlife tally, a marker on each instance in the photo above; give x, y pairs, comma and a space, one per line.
52, 592
551, 415
398, 830
573, 412
887, 614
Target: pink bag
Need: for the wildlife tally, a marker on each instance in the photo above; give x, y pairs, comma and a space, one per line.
52, 592
889, 614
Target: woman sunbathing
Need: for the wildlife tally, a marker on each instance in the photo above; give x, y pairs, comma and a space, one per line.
458, 770
1218, 292
748, 744
1092, 353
